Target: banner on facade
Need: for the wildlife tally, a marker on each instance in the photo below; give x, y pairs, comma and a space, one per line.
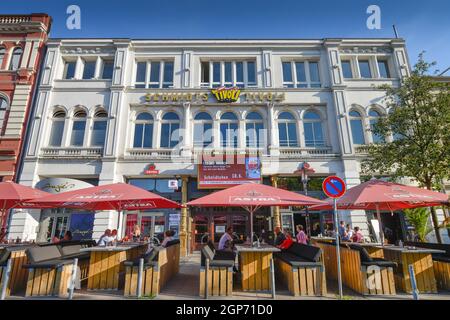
223, 171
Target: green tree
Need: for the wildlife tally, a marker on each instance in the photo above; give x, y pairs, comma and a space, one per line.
418, 218
416, 131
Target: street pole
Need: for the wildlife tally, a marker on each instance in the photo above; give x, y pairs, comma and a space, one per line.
338, 251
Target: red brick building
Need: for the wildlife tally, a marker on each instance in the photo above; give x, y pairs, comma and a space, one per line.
22, 44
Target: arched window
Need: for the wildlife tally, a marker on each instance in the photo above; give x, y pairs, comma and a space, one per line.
287, 130
170, 126
203, 124
99, 128
3, 109
15, 59
356, 125
229, 130
2, 57
254, 129
312, 125
78, 129
57, 131
143, 131
373, 118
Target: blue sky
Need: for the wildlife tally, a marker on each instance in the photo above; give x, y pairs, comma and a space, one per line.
424, 24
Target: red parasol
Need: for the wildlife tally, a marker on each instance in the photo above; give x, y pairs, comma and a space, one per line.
252, 196
387, 196
13, 194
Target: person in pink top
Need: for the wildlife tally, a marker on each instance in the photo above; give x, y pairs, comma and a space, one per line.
301, 235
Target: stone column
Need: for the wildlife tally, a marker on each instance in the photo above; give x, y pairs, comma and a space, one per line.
184, 237
276, 210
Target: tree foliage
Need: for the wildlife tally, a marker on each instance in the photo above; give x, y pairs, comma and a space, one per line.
416, 130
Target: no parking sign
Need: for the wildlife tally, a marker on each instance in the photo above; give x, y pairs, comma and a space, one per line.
334, 187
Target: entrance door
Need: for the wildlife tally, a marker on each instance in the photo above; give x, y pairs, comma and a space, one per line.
151, 224
53, 224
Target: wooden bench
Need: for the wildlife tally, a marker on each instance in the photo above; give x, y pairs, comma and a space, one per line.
216, 272
441, 262
301, 269
160, 266
360, 272
18, 276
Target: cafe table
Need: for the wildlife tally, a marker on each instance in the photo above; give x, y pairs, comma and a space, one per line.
254, 265
314, 240
107, 262
422, 262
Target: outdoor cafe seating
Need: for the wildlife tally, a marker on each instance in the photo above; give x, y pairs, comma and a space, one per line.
216, 271
159, 266
362, 273
300, 267
441, 262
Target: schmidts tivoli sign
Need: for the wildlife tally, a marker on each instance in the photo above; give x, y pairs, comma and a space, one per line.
220, 95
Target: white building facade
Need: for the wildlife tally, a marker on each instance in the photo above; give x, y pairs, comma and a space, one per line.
142, 111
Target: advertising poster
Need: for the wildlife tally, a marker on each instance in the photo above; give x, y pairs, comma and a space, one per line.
220, 172
81, 225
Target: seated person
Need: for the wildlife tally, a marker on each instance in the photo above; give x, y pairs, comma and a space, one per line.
67, 236
168, 236
287, 242
226, 241
279, 236
357, 235
104, 239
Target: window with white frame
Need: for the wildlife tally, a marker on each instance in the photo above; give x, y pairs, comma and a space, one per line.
78, 129
170, 125
143, 131
301, 74
15, 58
69, 69
357, 127
229, 130
3, 110
312, 126
154, 74
99, 129
107, 69
254, 129
383, 68
57, 130
365, 71
287, 130
203, 127
347, 69
228, 73
89, 69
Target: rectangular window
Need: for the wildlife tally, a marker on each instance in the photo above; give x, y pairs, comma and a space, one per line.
56, 134
205, 73
251, 73
168, 74
287, 75
98, 133
154, 75
107, 70
89, 70
228, 73
216, 74
364, 69
314, 76
69, 70
140, 74
347, 69
383, 67
77, 138
301, 75
239, 73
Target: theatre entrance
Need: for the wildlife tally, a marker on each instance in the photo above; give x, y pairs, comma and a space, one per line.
211, 224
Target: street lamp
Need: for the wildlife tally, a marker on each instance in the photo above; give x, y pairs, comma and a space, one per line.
303, 171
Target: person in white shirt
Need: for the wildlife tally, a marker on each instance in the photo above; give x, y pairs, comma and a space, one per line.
226, 239
168, 236
105, 238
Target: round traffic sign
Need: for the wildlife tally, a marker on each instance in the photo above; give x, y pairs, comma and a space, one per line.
334, 187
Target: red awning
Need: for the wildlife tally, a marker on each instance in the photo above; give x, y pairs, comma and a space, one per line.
12, 194
254, 195
117, 196
387, 196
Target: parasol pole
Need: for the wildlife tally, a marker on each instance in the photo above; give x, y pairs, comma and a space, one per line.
338, 251
379, 224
